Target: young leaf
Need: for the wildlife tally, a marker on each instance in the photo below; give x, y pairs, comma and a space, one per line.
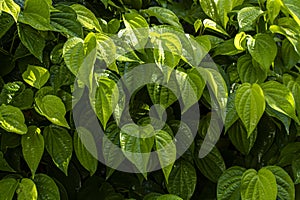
285, 185
73, 53
250, 105
263, 49
85, 149
36, 76
27, 190
58, 143
210, 9
273, 7
10, 7
294, 86
33, 147
46, 187
182, 180
32, 40
8, 187
294, 9
229, 183
247, 17
86, 17
279, 98
12, 119
258, 186
52, 108
166, 151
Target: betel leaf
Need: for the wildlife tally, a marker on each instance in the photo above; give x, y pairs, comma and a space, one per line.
259, 185
136, 143
285, 185
191, 86
209, 24
27, 190
6, 22
296, 170
250, 71
279, 98
60, 76
168, 197
289, 153
86, 17
294, 86
12, 119
36, 76
263, 49
106, 49
212, 165
86, 149
105, 99
250, 105
294, 9
73, 53
46, 187
210, 9
161, 95
229, 183
10, 7
182, 179
52, 108
8, 187
4, 166
227, 48
36, 13
231, 114
289, 56
137, 30
10, 91
58, 143
64, 19
32, 40
166, 151
239, 138
273, 7
247, 17
164, 15
33, 147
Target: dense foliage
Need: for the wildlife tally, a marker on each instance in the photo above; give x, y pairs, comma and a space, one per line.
255, 45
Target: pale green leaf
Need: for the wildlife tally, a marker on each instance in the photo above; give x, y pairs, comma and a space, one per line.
10, 7
36, 76
12, 119
27, 190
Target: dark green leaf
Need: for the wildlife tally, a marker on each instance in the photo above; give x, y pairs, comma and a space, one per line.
46, 187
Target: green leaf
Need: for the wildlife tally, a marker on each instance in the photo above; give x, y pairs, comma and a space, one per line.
52, 108
210, 9
32, 40
250, 105
46, 187
36, 76
289, 56
36, 13
85, 149
182, 180
247, 18
6, 22
231, 114
8, 187
106, 49
73, 53
263, 49
136, 143
285, 185
58, 143
273, 7
289, 153
10, 7
12, 119
279, 98
212, 165
27, 190
60, 76
164, 15
296, 172
64, 19
239, 138
33, 148
168, 197
191, 87
250, 71
161, 95
105, 99
294, 86
137, 30
258, 186
229, 184
294, 9
166, 151
86, 17
226, 48
4, 166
